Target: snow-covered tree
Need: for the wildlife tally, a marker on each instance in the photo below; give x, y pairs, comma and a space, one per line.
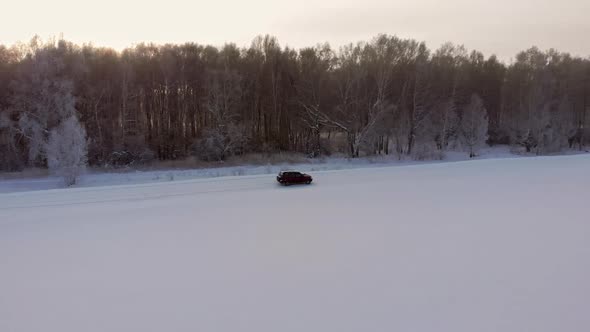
224, 137
474, 125
552, 126
563, 125
220, 142
44, 99
9, 157
66, 150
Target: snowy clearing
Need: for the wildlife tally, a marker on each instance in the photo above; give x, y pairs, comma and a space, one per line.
489, 245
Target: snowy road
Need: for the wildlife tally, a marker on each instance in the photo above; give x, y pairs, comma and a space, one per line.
492, 245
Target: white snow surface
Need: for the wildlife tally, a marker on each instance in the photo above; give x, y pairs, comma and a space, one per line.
491, 245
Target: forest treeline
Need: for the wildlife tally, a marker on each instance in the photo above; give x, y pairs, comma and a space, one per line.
385, 96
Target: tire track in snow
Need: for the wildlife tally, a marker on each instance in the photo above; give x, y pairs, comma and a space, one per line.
128, 198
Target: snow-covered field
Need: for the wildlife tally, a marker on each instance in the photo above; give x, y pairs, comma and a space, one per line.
96, 177
490, 245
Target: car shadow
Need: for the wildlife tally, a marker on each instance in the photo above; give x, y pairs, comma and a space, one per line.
293, 186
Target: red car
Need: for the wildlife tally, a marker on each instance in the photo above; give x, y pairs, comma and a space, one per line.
288, 178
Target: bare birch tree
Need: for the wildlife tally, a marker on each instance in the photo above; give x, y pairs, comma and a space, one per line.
474, 126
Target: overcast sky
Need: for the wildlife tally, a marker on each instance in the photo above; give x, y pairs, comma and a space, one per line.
501, 27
